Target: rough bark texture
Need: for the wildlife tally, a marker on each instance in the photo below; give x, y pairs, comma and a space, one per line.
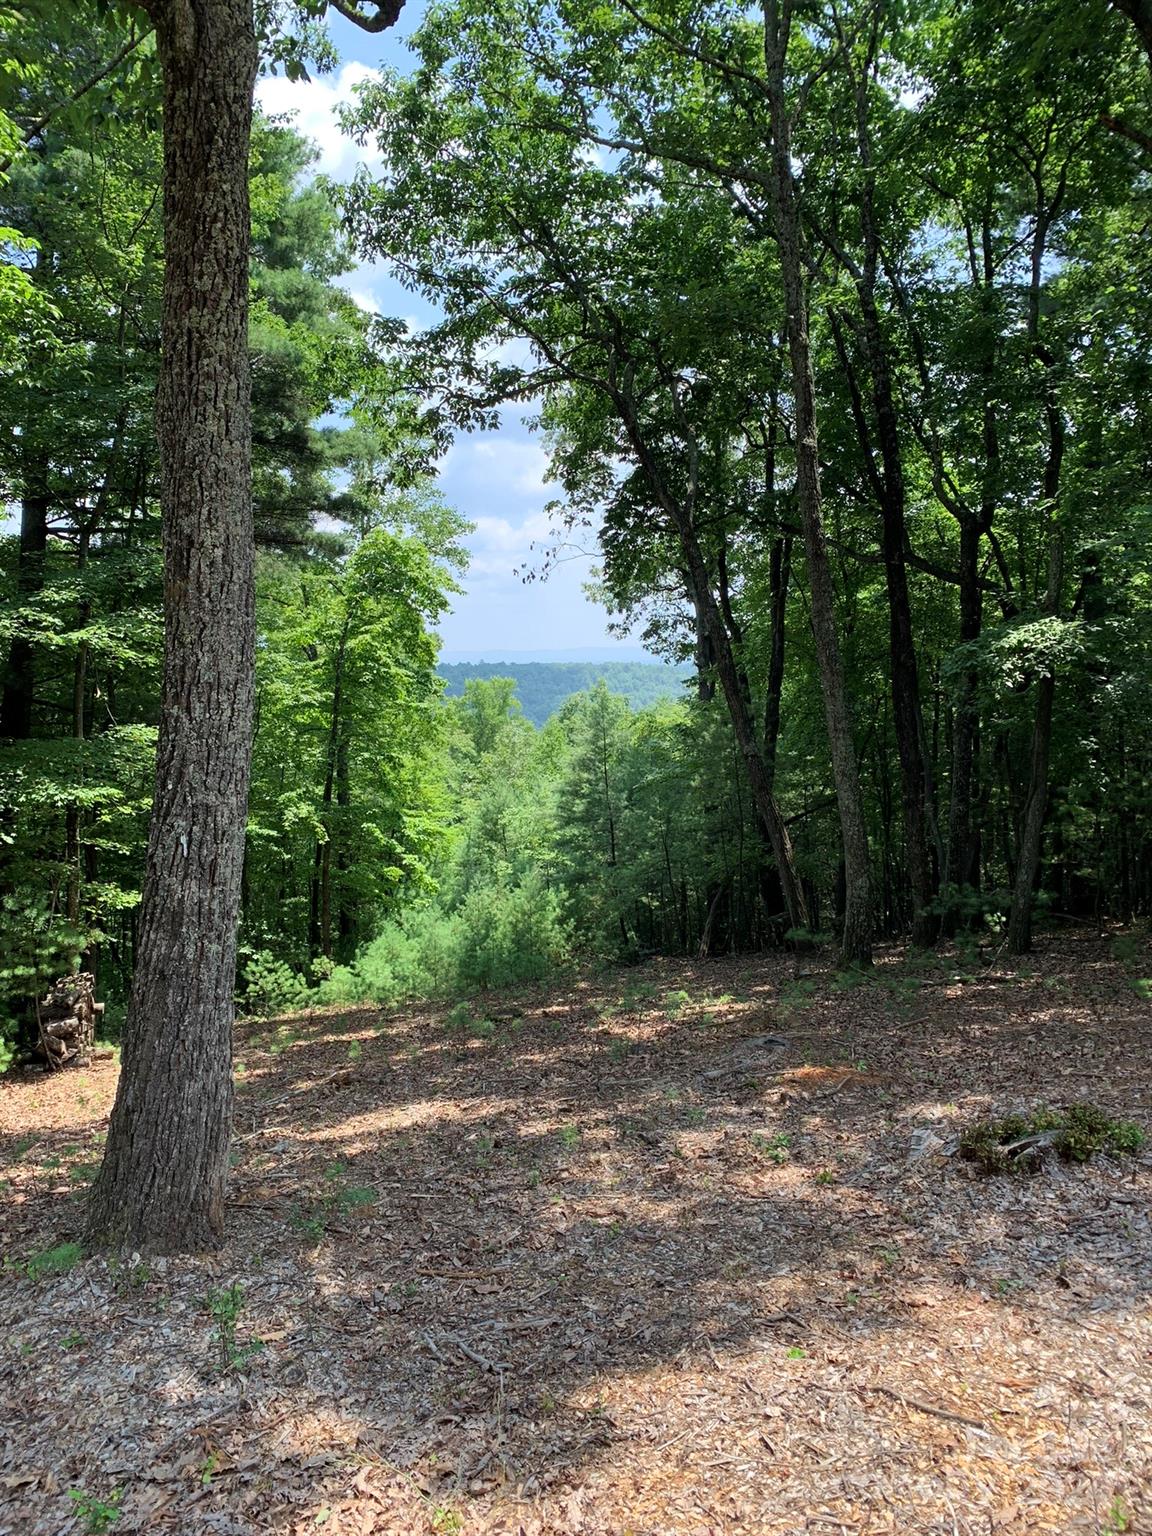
162, 1184
856, 937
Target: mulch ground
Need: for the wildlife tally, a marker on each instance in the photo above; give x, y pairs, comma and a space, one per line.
681, 1249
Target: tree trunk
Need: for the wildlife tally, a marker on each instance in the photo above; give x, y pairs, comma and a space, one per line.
1139, 13
723, 658
916, 788
1031, 832
740, 712
1019, 940
16, 701
780, 571
161, 1188
961, 868
856, 936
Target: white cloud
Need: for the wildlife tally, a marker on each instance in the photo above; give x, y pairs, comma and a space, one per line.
312, 104
499, 463
498, 544
364, 301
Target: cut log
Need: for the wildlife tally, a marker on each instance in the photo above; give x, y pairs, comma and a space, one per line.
66, 1022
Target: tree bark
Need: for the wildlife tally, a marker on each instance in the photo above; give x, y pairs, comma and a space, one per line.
1139, 13
780, 571
856, 936
161, 1187
1019, 939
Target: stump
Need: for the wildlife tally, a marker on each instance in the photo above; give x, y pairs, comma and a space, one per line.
66, 1022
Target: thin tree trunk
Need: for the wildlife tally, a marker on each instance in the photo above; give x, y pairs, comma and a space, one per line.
1031, 833
79, 693
961, 868
331, 772
740, 713
779, 575
723, 658
916, 787
856, 936
19, 679
161, 1188
1019, 939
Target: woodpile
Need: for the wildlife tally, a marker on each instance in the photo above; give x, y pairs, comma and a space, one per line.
66, 1022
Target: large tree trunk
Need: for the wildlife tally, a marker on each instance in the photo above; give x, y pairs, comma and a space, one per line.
856, 938
161, 1187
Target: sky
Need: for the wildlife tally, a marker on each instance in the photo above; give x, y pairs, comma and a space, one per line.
494, 479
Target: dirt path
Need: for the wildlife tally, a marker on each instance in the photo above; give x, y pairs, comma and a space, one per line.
609, 1261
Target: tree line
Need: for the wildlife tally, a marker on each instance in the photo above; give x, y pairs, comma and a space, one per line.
835, 312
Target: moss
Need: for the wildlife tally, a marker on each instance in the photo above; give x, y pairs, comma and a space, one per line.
1075, 1134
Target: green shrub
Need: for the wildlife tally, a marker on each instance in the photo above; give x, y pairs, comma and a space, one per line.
501, 935
270, 985
1017, 1143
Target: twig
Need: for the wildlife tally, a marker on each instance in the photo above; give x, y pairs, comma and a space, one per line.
426, 1338
923, 1407
481, 1360
461, 1274
780, 1317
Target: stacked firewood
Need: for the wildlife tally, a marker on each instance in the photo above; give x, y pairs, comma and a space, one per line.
66, 1022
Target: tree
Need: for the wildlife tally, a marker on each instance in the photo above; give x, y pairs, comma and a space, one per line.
161, 1185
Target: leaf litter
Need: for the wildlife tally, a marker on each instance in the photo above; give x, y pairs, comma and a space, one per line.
619, 1266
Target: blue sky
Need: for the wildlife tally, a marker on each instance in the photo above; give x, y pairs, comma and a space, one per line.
495, 479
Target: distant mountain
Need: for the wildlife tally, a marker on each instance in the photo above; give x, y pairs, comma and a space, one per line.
582, 653
542, 686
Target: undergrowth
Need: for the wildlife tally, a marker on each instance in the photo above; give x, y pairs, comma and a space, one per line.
1018, 1143
500, 937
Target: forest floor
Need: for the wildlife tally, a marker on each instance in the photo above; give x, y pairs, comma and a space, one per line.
601, 1261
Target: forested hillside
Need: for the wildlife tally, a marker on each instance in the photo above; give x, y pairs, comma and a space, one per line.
543, 686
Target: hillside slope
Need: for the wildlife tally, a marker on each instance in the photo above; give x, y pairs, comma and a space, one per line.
542, 686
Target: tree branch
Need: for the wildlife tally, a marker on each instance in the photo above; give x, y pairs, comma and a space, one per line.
1126, 131
383, 15
81, 91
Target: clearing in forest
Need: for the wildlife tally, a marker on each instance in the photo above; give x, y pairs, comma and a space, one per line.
680, 1249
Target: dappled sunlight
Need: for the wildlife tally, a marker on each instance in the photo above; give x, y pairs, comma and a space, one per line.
507, 1278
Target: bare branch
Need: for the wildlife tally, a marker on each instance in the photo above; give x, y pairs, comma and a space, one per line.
381, 17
